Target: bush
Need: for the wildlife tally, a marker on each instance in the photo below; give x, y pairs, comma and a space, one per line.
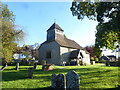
102, 61
92, 58
96, 59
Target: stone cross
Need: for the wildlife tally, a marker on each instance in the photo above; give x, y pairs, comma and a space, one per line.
58, 81
30, 73
72, 81
17, 66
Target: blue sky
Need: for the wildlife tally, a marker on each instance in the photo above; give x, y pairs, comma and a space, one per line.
36, 17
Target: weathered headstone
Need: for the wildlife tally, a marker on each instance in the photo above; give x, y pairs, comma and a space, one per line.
47, 67
43, 62
30, 73
93, 62
53, 81
35, 65
107, 63
58, 81
17, 66
72, 81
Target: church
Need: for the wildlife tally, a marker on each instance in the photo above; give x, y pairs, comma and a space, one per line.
59, 50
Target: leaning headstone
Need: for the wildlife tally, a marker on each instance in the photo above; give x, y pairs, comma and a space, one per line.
72, 81
35, 65
17, 66
47, 67
58, 81
30, 73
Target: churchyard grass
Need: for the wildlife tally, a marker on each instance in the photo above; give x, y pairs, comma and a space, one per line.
96, 76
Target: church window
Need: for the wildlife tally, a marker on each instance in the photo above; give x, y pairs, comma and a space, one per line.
48, 54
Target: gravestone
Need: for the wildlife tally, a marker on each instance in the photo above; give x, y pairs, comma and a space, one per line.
53, 81
72, 81
43, 62
30, 72
47, 67
93, 62
35, 65
17, 66
58, 81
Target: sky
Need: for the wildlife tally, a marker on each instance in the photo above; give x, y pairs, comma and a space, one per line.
36, 17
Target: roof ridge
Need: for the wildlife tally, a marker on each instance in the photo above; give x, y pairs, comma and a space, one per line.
55, 26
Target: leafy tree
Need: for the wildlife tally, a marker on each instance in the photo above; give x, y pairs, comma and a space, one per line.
10, 35
94, 51
108, 16
90, 49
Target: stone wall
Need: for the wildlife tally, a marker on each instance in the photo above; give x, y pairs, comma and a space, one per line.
86, 57
55, 53
65, 53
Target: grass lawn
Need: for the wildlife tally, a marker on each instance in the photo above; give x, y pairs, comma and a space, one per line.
92, 76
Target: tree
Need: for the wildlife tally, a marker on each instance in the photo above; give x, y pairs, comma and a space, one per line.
94, 51
90, 49
10, 35
108, 16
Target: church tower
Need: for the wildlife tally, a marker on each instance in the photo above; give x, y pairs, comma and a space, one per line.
55, 32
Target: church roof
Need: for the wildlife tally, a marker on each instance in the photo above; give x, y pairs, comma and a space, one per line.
55, 26
74, 54
66, 43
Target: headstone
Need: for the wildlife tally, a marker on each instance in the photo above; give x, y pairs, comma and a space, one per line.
17, 66
58, 81
93, 62
72, 81
30, 73
107, 63
53, 81
47, 67
43, 62
35, 65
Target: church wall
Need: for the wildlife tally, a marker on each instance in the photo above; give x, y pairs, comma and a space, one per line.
50, 35
52, 47
65, 53
86, 57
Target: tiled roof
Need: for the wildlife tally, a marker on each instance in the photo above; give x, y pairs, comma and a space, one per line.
74, 54
55, 26
66, 43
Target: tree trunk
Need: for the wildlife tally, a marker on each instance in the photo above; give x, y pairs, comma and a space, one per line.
4, 66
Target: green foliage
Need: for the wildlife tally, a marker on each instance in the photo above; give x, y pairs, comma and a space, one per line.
102, 61
10, 35
97, 51
96, 59
92, 58
108, 16
91, 77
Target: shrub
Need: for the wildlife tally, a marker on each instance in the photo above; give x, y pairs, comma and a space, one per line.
92, 58
96, 59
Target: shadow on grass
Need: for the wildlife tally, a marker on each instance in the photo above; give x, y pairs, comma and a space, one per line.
50, 88
22, 74
84, 73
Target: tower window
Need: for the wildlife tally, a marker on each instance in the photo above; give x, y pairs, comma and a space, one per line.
48, 54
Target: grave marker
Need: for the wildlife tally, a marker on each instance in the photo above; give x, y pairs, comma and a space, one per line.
72, 80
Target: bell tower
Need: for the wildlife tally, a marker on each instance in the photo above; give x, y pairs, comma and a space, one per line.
54, 32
